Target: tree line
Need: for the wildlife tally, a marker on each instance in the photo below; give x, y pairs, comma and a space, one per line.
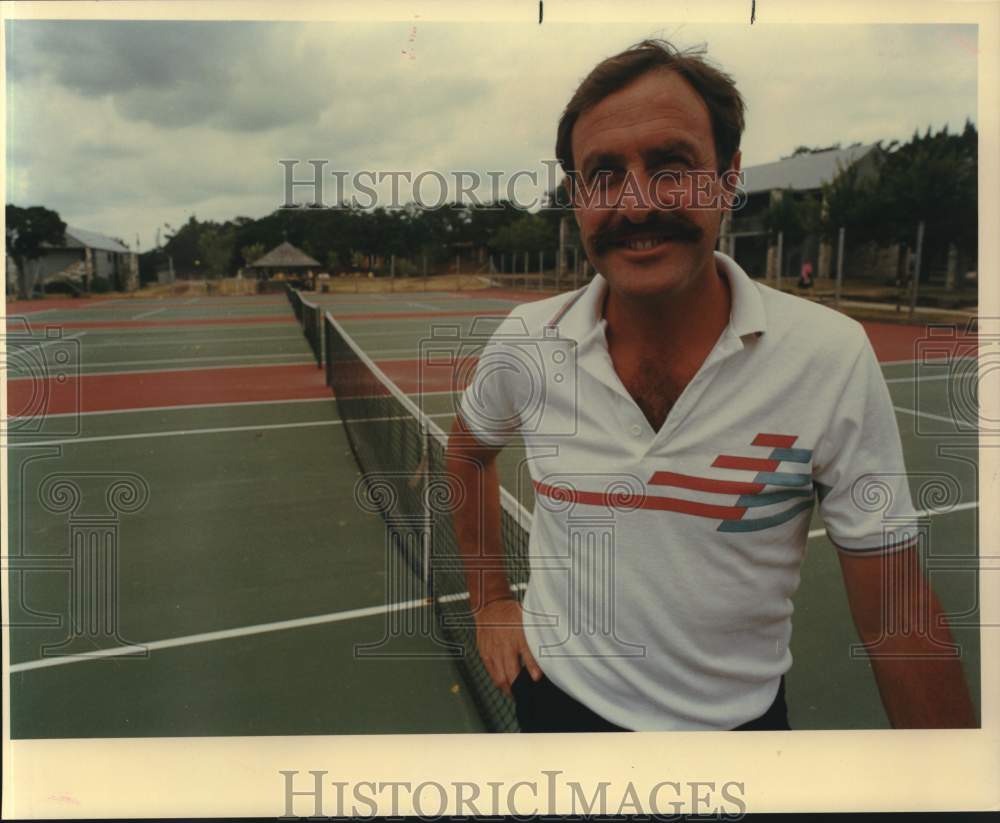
345, 238
932, 178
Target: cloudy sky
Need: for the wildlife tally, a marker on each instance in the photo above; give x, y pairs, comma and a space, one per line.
125, 126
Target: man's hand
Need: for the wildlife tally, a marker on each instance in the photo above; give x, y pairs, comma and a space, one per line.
502, 644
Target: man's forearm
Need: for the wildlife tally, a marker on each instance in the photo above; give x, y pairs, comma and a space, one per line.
477, 528
922, 687
903, 627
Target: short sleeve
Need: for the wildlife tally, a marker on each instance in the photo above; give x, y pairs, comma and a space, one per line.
490, 402
859, 470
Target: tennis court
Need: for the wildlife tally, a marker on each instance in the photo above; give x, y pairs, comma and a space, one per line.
242, 582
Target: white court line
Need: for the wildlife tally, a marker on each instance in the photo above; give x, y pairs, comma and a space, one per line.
305, 622
149, 313
42, 342
921, 379
218, 332
26, 316
69, 441
195, 359
933, 361
928, 415
205, 341
245, 631
238, 403
225, 634
405, 332
301, 362
376, 354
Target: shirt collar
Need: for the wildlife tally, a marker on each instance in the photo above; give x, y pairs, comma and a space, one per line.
583, 318
746, 312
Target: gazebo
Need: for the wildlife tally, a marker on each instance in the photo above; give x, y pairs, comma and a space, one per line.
284, 260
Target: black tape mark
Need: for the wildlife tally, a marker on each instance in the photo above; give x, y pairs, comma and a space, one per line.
541, 11
753, 11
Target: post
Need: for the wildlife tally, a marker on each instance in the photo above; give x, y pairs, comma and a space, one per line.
392, 272
840, 264
915, 280
781, 260
424, 263
952, 272
541, 269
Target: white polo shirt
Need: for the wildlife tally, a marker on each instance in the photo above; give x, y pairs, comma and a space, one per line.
663, 564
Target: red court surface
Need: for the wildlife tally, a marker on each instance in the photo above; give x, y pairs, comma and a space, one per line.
136, 390
100, 302
893, 341
191, 321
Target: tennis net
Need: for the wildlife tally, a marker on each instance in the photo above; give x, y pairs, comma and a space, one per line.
401, 453
310, 317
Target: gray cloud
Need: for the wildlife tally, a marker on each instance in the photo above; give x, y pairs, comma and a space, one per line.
235, 76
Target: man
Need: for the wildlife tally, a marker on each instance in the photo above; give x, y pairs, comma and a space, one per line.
677, 460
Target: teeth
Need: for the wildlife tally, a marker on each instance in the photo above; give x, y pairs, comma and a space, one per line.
639, 245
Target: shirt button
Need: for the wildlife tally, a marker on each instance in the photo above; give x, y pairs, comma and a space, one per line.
636, 430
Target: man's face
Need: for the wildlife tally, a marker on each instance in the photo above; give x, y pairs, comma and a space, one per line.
648, 149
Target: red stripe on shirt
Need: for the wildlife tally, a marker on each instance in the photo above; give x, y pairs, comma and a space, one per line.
775, 441
625, 501
729, 461
704, 484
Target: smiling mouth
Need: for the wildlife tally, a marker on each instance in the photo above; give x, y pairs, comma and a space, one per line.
644, 243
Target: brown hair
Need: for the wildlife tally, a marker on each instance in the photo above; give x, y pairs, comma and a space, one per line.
716, 88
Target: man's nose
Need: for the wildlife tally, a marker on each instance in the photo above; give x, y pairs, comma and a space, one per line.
636, 203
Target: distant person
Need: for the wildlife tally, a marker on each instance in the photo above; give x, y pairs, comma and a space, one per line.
681, 422
805, 275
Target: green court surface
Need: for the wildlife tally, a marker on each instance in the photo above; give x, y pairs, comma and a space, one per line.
251, 530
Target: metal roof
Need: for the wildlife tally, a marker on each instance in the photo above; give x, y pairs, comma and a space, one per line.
802, 172
284, 255
81, 238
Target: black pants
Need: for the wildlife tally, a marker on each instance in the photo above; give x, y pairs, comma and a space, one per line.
544, 707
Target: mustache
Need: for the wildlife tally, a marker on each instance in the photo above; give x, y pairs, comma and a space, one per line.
670, 226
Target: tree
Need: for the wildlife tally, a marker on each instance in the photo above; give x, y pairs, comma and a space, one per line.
252, 252
856, 203
217, 244
794, 216
529, 232
183, 245
930, 179
933, 179
28, 230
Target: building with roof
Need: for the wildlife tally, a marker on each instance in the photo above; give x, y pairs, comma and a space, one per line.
285, 261
744, 233
83, 259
